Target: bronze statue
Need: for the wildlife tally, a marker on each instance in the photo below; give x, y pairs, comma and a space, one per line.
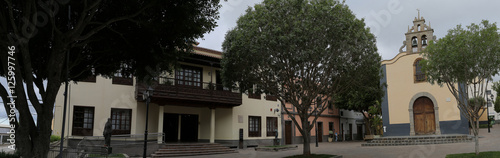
107, 133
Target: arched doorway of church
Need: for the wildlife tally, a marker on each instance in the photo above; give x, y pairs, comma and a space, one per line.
423, 113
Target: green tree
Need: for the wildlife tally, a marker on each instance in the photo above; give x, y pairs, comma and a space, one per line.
364, 96
375, 121
497, 104
300, 51
101, 37
496, 87
465, 60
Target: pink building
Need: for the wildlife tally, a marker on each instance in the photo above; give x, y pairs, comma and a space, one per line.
328, 120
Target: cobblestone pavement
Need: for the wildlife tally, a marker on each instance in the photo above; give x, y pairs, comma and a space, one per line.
487, 142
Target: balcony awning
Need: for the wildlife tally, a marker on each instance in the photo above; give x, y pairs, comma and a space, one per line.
180, 95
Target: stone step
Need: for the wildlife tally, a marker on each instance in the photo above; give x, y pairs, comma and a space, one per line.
190, 149
417, 140
423, 137
190, 154
193, 144
193, 151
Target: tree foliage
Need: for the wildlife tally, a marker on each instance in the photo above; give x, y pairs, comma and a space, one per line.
303, 52
496, 87
365, 95
497, 104
101, 36
374, 120
465, 60
477, 102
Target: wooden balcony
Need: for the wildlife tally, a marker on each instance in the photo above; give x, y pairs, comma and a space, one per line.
169, 91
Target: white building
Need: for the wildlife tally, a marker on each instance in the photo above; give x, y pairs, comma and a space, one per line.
352, 125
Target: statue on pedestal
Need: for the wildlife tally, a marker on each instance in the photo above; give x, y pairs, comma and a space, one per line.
107, 133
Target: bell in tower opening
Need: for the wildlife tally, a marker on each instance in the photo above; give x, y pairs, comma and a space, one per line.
417, 36
414, 42
424, 40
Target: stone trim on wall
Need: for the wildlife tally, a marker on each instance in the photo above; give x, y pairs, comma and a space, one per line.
436, 112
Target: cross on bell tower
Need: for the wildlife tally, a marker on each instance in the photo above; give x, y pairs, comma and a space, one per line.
418, 35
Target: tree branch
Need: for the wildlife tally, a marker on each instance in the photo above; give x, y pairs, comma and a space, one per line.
94, 31
28, 78
80, 24
11, 15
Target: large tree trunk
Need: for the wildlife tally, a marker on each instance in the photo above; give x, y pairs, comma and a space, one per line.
368, 126
33, 140
476, 137
307, 138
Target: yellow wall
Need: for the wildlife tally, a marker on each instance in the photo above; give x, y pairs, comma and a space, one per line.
254, 107
483, 117
401, 88
101, 95
140, 117
226, 119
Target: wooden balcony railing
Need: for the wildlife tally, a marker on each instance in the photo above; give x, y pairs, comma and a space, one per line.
89, 79
122, 81
271, 98
170, 91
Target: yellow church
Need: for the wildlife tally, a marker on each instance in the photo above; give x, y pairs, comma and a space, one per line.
411, 105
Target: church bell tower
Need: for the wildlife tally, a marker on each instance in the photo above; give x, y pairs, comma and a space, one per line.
418, 36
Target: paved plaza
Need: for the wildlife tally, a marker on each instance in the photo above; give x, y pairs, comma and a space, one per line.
487, 142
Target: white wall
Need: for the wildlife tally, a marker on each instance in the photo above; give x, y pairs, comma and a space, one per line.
102, 95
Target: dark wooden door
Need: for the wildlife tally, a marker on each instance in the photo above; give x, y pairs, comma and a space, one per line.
189, 128
350, 132
423, 114
360, 132
288, 132
218, 81
320, 131
341, 132
171, 127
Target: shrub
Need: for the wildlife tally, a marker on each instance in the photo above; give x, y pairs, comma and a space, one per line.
9, 155
54, 138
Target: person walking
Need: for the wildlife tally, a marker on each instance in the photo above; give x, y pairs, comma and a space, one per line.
336, 136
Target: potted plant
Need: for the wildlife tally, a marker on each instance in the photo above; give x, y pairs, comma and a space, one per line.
330, 136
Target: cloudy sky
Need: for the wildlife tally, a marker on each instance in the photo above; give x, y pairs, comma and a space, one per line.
388, 19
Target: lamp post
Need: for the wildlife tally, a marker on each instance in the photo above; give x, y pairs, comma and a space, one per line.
146, 95
65, 92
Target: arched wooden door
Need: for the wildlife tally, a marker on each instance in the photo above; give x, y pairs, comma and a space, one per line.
423, 112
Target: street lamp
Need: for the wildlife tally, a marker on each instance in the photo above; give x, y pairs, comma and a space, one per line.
146, 95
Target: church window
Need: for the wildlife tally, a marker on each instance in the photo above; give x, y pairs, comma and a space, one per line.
419, 74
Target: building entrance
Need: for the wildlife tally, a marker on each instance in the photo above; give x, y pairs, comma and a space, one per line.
180, 127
